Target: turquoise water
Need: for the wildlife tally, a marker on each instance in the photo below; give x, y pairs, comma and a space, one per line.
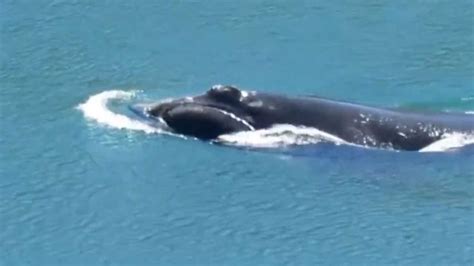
75, 190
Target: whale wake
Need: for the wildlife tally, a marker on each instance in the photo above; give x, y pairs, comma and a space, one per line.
278, 136
96, 108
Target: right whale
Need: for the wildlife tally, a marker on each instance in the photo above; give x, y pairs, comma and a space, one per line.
227, 109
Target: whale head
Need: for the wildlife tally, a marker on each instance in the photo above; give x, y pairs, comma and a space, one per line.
221, 110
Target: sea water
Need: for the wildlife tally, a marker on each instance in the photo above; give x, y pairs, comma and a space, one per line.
84, 182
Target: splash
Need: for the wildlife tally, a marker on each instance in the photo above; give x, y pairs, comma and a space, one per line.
279, 136
450, 142
96, 108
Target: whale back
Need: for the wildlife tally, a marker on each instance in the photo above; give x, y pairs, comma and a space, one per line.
365, 125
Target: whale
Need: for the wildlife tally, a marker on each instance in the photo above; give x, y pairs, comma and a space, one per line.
225, 109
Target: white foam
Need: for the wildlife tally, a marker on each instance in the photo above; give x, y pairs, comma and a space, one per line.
468, 99
95, 108
450, 142
279, 136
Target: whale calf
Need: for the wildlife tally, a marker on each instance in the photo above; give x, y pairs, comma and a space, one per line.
227, 109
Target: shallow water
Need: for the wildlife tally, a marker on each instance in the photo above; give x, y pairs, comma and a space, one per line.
77, 191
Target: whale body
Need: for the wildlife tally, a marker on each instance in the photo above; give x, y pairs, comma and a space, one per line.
227, 109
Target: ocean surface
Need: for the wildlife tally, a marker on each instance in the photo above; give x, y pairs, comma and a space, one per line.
84, 182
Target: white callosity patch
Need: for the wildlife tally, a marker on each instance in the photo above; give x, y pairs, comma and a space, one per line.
364, 118
244, 94
217, 86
